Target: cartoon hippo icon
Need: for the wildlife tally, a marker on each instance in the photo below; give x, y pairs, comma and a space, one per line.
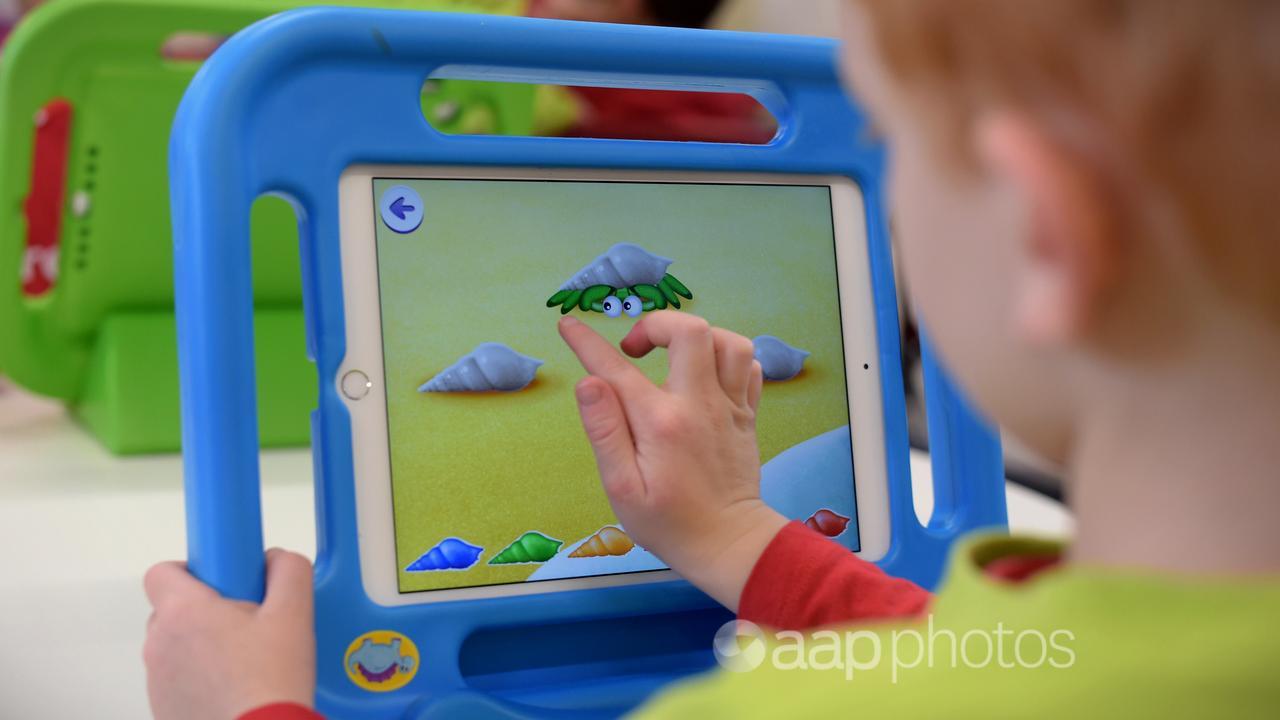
378, 662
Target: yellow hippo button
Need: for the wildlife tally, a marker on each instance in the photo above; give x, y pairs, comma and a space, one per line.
381, 661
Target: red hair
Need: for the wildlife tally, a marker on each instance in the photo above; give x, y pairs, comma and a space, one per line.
1183, 94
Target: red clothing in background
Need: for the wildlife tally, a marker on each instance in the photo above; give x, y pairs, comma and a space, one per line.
664, 115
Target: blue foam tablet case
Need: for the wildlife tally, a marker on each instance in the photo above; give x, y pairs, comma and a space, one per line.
284, 108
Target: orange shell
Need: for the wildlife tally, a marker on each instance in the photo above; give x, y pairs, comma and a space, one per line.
609, 541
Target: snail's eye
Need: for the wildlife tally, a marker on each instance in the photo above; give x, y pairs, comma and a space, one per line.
633, 305
612, 306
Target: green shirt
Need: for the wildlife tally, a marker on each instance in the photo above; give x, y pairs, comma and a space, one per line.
1073, 642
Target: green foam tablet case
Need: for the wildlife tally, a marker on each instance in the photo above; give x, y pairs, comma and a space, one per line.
87, 98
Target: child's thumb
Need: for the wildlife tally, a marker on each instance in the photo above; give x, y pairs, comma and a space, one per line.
610, 436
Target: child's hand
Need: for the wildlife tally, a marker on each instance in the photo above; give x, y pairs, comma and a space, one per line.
208, 657
680, 462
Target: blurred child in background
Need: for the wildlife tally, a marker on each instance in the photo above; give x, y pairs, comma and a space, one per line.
652, 114
11, 11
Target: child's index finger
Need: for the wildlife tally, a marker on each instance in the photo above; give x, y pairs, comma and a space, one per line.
288, 582
601, 359
690, 344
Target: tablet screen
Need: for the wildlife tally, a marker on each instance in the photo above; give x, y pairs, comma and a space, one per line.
492, 479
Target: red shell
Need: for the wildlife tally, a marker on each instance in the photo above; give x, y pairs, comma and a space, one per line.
828, 522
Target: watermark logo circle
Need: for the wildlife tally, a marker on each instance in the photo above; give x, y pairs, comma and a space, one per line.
739, 646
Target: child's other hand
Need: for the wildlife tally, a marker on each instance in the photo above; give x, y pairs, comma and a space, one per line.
680, 462
209, 657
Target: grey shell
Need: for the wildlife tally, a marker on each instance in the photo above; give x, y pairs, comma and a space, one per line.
491, 366
623, 265
778, 360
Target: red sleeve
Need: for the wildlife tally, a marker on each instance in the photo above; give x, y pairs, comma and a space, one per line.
282, 711
803, 580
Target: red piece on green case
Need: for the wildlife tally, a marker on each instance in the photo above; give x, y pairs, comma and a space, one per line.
43, 207
87, 98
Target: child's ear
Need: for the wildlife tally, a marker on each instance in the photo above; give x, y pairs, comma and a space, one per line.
1068, 255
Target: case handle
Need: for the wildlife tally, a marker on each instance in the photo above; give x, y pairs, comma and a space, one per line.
214, 305
955, 429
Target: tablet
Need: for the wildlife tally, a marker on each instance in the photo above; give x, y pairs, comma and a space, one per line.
473, 475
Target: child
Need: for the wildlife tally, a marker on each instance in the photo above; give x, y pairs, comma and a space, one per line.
1085, 205
676, 13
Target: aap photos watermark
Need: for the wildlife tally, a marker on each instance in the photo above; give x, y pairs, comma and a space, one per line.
742, 646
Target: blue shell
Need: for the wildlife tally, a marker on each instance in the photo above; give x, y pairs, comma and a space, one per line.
778, 360
623, 265
491, 366
449, 554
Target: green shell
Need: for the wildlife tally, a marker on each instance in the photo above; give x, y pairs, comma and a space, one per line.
531, 547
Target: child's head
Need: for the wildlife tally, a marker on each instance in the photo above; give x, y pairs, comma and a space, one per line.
675, 13
1084, 191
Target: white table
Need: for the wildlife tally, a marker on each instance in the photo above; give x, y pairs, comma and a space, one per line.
78, 528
